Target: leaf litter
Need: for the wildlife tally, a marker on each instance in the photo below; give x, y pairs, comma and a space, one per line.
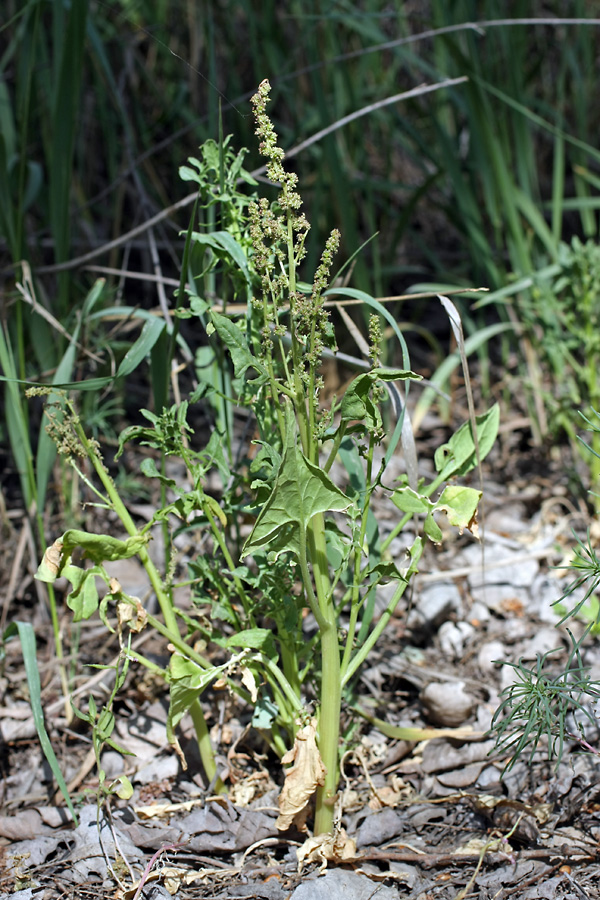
414, 815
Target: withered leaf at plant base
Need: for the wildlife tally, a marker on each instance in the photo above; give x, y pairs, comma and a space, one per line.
302, 779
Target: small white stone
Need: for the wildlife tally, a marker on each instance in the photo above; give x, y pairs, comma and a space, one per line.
453, 638
447, 703
490, 655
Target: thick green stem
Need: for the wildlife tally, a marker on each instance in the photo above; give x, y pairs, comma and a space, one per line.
329, 725
331, 695
205, 747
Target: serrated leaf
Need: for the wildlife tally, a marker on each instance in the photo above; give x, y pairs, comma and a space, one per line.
301, 491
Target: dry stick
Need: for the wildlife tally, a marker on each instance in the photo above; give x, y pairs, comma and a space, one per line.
185, 201
27, 292
240, 308
570, 855
478, 27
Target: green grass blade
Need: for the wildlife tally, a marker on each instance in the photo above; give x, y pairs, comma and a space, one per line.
65, 119
17, 421
27, 637
152, 330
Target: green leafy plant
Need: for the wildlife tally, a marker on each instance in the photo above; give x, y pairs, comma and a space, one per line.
562, 322
543, 700
102, 722
540, 705
292, 530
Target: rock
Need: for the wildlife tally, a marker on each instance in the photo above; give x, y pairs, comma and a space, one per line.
434, 605
447, 703
342, 883
490, 656
453, 638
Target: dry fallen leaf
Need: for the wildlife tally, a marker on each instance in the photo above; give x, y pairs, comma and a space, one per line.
302, 778
337, 848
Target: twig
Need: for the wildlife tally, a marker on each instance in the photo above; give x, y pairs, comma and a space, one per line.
431, 860
165, 848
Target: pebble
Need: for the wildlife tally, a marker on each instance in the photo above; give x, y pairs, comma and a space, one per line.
434, 605
489, 654
453, 637
447, 703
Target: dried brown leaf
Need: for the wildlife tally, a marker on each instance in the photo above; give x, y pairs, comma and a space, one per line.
302, 778
336, 848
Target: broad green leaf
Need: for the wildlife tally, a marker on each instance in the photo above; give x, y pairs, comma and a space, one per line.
409, 501
358, 405
122, 787
83, 599
149, 469
432, 529
394, 374
211, 506
265, 713
386, 572
234, 339
187, 681
458, 456
103, 547
460, 505
254, 639
301, 491
97, 547
222, 241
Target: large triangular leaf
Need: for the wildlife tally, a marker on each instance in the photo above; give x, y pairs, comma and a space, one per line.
301, 491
